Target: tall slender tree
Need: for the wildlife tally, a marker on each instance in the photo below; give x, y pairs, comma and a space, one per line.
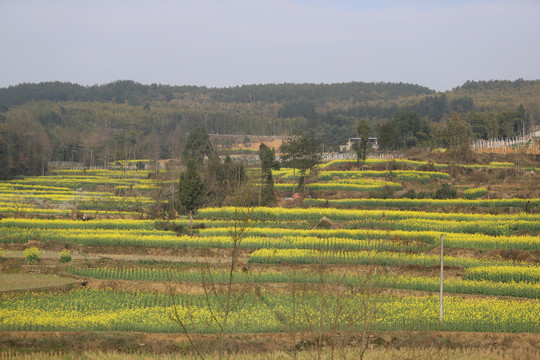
361, 149
268, 163
191, 191
198, 146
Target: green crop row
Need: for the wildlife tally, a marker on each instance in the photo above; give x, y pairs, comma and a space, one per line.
133, 224
413, 163
109, 310
402, 175
492, 228
456, 240
495, 225
112, 174
504, 274
305, 256
432, 284
339, 186
423, 203
399, 238
86, 201
157, 239
370, 162
279, 213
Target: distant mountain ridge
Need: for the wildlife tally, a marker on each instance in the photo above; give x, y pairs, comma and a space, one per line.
94, 125
135, 93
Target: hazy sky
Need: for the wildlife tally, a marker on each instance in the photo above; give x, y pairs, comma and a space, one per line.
219, 43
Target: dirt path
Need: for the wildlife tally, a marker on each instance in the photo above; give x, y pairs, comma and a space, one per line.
53, 255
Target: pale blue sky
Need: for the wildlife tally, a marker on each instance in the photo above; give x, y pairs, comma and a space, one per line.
438, 44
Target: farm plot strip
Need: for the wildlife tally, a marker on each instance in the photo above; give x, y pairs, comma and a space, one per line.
422, 203
109, 310
455, 285
269, 213
158, 239
140, 233
384, 258
457, 240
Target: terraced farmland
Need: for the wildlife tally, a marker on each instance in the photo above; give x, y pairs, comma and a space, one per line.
327, 266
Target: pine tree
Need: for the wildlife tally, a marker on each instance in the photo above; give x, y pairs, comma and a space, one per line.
191, 191
268, 163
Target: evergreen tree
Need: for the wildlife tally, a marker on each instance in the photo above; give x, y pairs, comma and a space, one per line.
361, 149
191, 191
198, 146
387, 135
268, 163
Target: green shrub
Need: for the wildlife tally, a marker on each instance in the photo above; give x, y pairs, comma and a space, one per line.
411, 194
31, 255
387, 192
65, 256
445, 192
170, 226
424, 195
147, 262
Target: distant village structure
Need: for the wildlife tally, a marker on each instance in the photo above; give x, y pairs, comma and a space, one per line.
372, 142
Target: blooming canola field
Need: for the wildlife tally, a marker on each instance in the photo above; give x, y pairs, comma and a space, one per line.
492, 278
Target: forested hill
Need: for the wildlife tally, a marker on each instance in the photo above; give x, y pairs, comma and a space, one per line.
135, 94
124, 119
498, 94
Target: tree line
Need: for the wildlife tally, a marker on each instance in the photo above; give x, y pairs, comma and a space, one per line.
100, 124
134, 93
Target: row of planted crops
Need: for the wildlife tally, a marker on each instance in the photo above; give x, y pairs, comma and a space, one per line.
103, 192
325, 178
326, 264
279, 236
108, 310
122, 192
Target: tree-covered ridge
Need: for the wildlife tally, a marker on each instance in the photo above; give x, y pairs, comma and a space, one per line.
318, 93
99, 124
497, 84
499, 94
117, 92
137, 94
355, 99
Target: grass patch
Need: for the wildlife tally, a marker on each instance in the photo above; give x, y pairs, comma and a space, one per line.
24, 281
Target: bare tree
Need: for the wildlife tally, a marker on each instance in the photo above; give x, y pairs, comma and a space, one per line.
334, 317
221, 299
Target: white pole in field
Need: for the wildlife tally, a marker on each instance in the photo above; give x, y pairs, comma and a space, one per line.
442, 281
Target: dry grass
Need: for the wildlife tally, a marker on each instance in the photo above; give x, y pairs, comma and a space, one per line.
25, 281
384, 346
373, 354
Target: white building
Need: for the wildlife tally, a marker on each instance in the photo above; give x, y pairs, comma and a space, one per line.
372, 142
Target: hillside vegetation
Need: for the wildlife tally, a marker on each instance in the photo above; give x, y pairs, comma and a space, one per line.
97, 125
92, 267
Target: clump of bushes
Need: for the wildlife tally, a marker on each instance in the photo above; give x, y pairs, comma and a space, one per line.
387, 192
31, 255
169, 226
445, 192
65, 256
411, 194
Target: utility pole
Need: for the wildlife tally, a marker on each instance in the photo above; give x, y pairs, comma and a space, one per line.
442, 282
